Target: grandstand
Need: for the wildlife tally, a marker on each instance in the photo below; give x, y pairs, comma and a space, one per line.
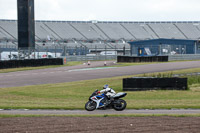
99, 34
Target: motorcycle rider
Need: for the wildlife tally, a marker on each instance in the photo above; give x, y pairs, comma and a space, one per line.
109, 92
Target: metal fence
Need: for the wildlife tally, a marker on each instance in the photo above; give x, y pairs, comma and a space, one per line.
81, 53
12, 52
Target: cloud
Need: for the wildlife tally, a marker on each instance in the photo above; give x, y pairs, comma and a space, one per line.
108, 10
8, 9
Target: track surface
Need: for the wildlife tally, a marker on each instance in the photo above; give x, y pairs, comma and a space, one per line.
97, 112
77, 73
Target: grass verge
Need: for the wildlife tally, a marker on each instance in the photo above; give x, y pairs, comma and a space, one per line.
35, 68
74, 95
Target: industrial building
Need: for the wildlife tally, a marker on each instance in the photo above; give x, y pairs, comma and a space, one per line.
166, 46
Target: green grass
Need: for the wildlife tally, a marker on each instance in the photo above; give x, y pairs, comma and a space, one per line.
146, 63
35, 68
74, 95
134, 64
169, 73
192, 79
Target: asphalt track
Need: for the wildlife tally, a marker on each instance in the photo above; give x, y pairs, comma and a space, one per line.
85, 72
101, 112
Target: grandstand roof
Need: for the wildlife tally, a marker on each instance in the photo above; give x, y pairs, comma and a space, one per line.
96, 21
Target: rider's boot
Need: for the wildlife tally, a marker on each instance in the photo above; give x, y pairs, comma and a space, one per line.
107, 102
111, 99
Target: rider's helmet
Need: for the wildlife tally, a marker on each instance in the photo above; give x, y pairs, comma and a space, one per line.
105, 86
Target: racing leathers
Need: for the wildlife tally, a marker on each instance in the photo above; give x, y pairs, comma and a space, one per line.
109, 92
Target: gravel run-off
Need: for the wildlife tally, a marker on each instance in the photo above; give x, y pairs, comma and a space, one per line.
164, 124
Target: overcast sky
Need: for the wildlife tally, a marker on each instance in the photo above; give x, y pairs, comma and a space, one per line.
108, 10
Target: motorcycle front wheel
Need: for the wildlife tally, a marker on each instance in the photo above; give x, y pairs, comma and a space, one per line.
119, 105
90, 105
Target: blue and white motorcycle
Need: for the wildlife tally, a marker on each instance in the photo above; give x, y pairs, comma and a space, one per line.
99, 102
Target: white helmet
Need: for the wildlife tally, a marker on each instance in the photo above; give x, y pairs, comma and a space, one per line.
105, 86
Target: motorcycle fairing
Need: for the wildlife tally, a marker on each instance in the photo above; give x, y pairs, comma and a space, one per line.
98, 99
120, 95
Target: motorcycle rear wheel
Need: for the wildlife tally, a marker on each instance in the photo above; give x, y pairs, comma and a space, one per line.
119, 105
90, 106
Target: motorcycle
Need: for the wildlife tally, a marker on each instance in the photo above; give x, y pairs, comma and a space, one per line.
97, 101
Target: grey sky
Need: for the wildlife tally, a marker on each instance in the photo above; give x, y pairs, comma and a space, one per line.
108, 10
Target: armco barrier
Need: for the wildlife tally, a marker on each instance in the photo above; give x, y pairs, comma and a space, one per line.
184, 57
30, 63
150, 83
90, 58
142, 59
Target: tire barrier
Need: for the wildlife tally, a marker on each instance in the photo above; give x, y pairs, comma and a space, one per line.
30, 63
142, 59
150, 83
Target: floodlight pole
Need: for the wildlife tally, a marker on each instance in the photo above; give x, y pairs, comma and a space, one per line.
26, 26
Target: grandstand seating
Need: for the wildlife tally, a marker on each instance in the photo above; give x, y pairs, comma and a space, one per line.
8, 30
114, 31
86, 30
189, 30
139, 31
100, 34
64, 31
